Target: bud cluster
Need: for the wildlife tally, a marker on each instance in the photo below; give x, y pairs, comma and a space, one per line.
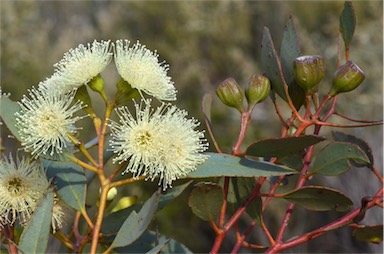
232, 95
310, 70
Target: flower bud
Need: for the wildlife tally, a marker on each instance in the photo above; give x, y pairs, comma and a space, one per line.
111, 194
82, 95
258, 89
230, 94
347, 77
308, 71
97, 84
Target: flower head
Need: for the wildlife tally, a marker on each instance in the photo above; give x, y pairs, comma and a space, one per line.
80, 65
140, 67
60, 212
22, 184
158, 143
44, 121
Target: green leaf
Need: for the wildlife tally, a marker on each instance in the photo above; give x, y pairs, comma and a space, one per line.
34, 238
171, 194
347, 23
113, 221
219, 164
340, 136
289, 51
271, 64
136, 223
318, 198
206, 200
334, 159
243, 188
69, 180
294, 161
147, 242
279, 147
8, 109
370, 234
158, 247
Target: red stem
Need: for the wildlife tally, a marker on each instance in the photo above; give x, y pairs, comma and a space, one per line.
224, 206
220, 237
10, 236
245, 120
356, 120
346, 219
285, 126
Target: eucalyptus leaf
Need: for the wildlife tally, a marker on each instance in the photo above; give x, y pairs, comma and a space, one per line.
147, 242
171, 194
347, 23
158, 247
113, 221
317, 198
70, 181
271, 64
34, 238
334, 159
206, 200
228, 165
8, 108
343, 137
370, 234
243, 188
136, 223
279, 147
289, 51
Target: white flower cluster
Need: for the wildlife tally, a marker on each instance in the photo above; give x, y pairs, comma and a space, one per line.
22, 185
137, 65
158, 142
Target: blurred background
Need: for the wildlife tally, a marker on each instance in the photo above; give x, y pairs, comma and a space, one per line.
205, 42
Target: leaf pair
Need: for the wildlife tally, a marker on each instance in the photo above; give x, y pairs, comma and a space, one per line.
279, 69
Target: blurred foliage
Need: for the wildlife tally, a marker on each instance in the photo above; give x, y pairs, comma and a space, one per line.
204, 43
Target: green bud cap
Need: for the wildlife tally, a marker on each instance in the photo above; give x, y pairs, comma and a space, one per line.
347, 77
97, 84
82, 95
125, 92
258, 89
308, 71
230, 94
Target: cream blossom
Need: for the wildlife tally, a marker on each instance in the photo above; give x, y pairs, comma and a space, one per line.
79, 66
60, 212
159, 142
22, 184
141, 68
44, 121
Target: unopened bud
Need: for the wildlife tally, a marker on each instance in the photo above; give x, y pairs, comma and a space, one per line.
347, 77
308, 71
230, 94
258, 89
111, 194
97, 84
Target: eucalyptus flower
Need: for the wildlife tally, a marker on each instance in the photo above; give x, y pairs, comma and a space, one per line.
44, 121
159, 142
79, 66
141, 68
22, 184
60, 213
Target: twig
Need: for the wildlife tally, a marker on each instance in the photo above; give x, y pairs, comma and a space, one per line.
357, 120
